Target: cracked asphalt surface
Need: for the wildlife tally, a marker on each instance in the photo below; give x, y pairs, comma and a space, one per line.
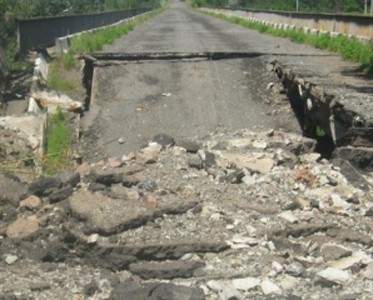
136, 101
184, 98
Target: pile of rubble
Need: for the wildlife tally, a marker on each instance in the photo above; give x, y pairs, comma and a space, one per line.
247, 215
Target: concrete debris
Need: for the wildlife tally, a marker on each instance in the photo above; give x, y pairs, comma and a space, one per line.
225, 289
268, 287
334, 251
149, 154
31, 202
246, 284
11, 259
51, 101
23, 228
333, 276
259, 224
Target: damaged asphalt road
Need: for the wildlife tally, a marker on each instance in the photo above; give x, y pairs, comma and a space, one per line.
134, 100
196, 183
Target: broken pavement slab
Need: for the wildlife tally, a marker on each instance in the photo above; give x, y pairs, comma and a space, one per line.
23, 228
159, 251
107, 216
165, 270
153, 291
259, 164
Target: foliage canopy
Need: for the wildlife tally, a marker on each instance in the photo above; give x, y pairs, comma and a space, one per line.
334, 6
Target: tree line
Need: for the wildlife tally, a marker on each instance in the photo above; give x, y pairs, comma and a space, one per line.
331, 6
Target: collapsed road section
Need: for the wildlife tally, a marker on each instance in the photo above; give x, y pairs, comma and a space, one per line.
336, 116
136, 96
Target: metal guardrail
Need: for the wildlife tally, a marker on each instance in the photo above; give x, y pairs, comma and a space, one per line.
42, 32
353, 25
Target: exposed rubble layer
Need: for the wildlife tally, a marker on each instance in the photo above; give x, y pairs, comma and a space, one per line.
248, 215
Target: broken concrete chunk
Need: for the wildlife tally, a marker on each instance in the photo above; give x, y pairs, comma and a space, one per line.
31, 202
165, 270
149, 154
331, 276
52, 101
226, 289
23, 228
268, 287
288, 216
195, 161
246, 284
256, 165
333, 251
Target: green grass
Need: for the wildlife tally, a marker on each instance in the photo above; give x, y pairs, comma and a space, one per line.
59, 80
68, 60
56, 80
90, 42
350, 49
58, 143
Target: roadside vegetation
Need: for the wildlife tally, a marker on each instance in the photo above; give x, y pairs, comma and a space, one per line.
59, 70
350, 49
91, 42
58, 155
59, 78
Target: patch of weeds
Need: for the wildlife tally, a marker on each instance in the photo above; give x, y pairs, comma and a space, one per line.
348, 48
90, 42
59, 80
58, 143
62, 68
57, 83
68, 60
